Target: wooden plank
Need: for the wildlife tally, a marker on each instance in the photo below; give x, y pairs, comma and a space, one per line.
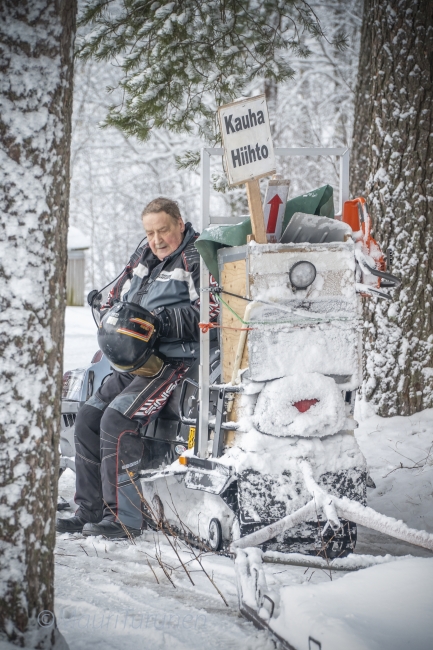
233, 279
256, 211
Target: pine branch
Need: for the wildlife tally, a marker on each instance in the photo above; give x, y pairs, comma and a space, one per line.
182, 59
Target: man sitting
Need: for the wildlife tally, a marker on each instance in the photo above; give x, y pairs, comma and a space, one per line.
163, 276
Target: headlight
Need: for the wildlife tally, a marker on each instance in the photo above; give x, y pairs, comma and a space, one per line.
72, 385
302, 274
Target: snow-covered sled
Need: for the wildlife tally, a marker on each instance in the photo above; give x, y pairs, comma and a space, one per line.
290, 388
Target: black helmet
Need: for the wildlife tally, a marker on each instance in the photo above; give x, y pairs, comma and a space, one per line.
127, 335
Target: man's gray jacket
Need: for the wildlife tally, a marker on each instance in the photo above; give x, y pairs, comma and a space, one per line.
171, 290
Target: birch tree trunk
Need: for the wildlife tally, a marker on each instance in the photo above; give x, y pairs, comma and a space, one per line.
392, 165
36, 67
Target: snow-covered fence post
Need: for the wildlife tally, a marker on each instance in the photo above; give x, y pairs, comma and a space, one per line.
36, 60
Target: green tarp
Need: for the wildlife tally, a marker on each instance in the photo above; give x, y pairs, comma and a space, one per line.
212, 239
318, 202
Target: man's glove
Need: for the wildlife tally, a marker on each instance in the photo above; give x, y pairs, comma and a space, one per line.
164, 321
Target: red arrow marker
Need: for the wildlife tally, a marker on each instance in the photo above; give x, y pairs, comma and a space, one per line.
275, 203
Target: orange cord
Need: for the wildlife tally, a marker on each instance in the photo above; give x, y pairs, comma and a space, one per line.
205, 327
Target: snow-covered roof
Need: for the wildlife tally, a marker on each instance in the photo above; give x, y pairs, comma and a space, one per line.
77, 240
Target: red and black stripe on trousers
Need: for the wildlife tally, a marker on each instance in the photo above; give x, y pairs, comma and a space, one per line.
108, 445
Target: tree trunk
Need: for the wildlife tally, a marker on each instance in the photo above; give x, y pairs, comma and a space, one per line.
393, 166
36, 66
362, 118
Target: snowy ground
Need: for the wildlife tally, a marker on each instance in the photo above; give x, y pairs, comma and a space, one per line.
113, 595
80, 339
400, 492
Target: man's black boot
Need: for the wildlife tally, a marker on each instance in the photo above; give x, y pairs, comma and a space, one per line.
111, 530
72, 525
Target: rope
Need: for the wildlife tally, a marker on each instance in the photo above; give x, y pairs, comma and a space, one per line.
218, 297
216, 291
205, 327
248, 324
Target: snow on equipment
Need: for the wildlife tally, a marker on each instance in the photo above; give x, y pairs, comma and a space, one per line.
295, 398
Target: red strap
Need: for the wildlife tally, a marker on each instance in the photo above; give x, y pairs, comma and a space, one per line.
205, 327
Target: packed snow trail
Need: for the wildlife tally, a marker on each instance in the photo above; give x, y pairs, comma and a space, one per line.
107, 595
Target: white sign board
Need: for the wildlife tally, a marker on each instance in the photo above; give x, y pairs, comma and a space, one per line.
247, 141
274, 208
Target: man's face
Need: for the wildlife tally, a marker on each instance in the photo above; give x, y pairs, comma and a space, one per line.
164, 234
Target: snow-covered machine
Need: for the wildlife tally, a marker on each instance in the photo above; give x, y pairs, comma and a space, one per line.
290, 366
226, 456
290, 343
281, 392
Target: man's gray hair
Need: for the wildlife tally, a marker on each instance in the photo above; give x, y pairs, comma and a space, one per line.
161, 204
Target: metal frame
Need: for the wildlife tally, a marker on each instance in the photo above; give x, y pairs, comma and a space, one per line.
206, 220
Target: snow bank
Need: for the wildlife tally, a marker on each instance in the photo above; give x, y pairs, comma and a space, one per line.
401, 492
385, 607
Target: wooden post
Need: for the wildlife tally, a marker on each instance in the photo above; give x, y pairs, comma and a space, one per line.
241, 347
256, 211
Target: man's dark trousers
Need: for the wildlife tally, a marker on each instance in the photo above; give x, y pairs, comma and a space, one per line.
108, 445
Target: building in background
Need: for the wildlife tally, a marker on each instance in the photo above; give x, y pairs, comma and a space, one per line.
78, 243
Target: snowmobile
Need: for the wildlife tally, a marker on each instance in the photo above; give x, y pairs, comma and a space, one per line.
285, 395
291, 400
